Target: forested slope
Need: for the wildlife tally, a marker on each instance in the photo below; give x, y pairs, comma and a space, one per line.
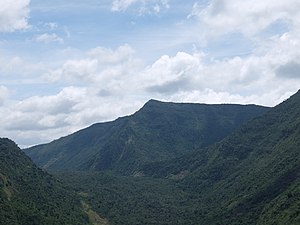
250, 177
157, 132
30, 196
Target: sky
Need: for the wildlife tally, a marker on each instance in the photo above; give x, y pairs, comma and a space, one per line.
67, 64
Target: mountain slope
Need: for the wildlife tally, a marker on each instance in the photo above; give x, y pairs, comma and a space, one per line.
30, 196
251, 177
158, 131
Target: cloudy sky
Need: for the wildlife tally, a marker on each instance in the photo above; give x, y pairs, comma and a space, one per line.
66, 64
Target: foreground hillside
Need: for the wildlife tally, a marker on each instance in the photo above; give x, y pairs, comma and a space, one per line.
157, 132
251, 177
30, 196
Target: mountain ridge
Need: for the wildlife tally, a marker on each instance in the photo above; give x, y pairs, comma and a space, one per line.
261, 162
158, 131
250, 177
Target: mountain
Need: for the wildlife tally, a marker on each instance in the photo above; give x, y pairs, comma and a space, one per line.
250, 177
157, 132
30, 196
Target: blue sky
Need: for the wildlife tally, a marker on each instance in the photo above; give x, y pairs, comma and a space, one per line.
66, 64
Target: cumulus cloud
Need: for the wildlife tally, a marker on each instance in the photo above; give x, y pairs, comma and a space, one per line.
171, 74
48, 38
109, 56
74, 70
289, 70
256, 78
107, 83
109, 70
62, 103
17, 72
43, 112
14, 15
104, 83
144, 6
115, 73
120, 5
52, 116
246, 16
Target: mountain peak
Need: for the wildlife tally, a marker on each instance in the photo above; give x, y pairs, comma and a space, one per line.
158, 131
153, 101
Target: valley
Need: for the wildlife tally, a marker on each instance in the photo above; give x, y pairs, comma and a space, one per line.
157, 167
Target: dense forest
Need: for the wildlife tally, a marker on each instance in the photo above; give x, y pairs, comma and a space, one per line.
30, 196
166, 164
250, 177
158, 131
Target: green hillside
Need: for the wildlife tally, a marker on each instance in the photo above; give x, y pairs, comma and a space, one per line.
29, 196
157, 132
251, 177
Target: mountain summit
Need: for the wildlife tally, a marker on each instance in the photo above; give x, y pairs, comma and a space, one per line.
158, 131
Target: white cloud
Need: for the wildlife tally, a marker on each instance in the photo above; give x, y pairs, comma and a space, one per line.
51, 26
14, 15
62, 103
171, 74
109, 56
42, 113
211, 96
4, 93
110, 70
18, 66
121, 5
103, 83
74, 70
248, 16
48, 38
108, 83
83, 87
289, 70
144, 6
265, 77
50, 117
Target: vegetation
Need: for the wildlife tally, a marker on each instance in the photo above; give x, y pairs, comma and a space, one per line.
157, 132
157, 167
30, 196
132, 200
250, 177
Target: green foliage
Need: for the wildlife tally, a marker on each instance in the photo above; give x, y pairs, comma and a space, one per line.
179, 173
31, 196
131, 200
250, 177
157, 132
237, 178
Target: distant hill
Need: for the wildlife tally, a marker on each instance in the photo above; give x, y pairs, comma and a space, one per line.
30, 196
250, 177
157, 132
